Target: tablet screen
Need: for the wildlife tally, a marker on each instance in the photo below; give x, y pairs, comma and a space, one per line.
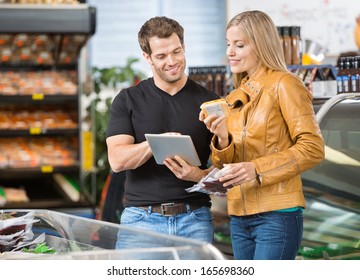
166, 145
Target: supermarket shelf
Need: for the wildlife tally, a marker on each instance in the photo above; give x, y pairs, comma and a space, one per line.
37, 67
322, 66
6, 173
43, 192
38, 131
79, 19
61, 31
37, 98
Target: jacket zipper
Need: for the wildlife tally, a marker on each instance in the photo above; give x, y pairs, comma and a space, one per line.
243, 134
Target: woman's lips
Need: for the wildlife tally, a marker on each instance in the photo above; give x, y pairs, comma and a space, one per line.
233, 62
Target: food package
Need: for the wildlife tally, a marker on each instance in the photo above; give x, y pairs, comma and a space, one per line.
15, 232
210, 184
215, 107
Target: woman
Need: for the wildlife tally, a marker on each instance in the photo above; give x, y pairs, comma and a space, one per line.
270, 137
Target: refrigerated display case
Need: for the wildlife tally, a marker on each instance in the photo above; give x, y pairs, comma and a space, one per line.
41, 77
74, 237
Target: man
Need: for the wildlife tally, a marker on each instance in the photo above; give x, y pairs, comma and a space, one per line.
169, 102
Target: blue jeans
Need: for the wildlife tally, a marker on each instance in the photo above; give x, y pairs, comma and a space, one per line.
267, 236
197, 224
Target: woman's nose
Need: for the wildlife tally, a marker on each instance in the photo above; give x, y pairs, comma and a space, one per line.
230, 51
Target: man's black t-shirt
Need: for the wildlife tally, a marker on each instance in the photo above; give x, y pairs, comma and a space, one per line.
147, 109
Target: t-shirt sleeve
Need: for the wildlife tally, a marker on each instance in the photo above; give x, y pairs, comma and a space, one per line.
120, 117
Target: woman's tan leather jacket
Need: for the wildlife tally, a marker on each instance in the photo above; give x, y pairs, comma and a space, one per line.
272, 124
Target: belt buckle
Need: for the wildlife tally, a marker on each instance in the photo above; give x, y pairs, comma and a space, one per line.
163, 205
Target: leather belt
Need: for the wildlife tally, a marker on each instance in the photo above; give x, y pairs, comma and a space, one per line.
171, 209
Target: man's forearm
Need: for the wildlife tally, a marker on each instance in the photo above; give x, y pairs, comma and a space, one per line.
129, 156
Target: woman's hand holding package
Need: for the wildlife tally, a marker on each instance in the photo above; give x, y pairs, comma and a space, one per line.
236, 173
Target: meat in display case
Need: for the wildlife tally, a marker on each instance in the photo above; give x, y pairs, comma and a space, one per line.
40, 104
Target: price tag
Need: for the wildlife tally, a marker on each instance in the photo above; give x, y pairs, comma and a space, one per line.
38, 96
35, 130
88, 151
47, 169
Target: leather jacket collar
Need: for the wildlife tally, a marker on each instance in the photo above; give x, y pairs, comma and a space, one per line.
249, 89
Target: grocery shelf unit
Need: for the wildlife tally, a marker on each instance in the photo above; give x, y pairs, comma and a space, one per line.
40, 104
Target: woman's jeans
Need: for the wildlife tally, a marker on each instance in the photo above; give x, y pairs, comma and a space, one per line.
267, 236
197, 224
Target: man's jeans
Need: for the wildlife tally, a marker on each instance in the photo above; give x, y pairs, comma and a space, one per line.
267, 236
197, 224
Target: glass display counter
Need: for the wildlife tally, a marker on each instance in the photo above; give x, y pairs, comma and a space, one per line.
73, 237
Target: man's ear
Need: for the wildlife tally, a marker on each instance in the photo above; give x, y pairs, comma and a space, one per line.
147, 58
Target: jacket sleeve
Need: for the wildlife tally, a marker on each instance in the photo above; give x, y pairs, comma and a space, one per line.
219, 157
295, 103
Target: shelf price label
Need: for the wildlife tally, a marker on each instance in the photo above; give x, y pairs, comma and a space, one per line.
47, 169
38, 96
35, 130
88, 154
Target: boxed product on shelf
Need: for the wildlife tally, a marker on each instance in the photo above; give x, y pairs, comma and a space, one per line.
14, 195
324, 88
323, 83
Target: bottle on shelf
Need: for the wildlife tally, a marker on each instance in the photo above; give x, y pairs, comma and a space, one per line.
295, 45
287, 45
354, 72
346, 77
339, 78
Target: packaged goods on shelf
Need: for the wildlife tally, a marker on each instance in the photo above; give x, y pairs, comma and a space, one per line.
214, 78
20, 152
48, 82
15, 195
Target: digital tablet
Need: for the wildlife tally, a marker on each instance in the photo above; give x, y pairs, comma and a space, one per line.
168, 146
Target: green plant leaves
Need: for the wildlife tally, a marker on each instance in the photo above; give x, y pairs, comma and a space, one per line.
40, 248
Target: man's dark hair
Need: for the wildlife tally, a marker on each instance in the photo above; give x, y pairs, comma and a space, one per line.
161, 27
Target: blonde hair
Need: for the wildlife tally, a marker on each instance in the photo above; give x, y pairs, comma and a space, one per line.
261, 33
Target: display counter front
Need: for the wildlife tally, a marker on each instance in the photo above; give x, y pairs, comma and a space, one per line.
65, 236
